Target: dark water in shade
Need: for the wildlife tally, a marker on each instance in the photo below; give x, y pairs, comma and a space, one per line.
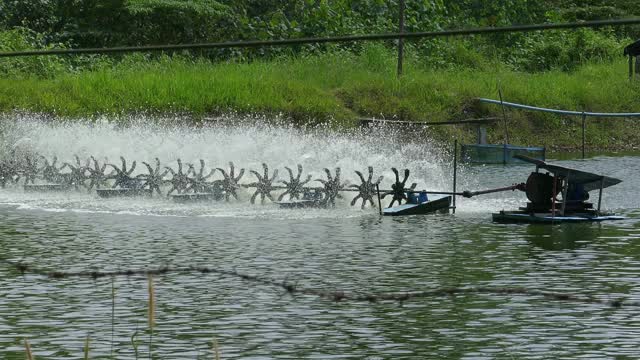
341, 249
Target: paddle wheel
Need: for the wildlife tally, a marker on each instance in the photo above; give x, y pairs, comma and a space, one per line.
332, 187
264, 185
230, 183
155, 177
294, 187
179, 179
78, 174
398, 189
367, 188
97, 175
199, 183
188, 183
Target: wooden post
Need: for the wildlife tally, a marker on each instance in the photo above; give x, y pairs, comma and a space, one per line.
584, 118
400, 40
455, 172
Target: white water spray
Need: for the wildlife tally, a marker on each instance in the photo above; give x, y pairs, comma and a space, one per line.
248, 145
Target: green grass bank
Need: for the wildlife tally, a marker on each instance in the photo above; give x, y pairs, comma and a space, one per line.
341, 87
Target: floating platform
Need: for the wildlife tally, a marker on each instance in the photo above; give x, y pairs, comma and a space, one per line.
573, 185
441, 205
510, 217
111, 193
499, 154
45, 187
197, 197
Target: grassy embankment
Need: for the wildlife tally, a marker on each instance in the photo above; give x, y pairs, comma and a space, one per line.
344, 87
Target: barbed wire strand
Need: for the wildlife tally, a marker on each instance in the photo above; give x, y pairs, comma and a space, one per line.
292, 288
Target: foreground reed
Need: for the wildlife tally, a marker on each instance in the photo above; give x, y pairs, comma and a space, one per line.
151, 314
215, 349
27, 349
86, 348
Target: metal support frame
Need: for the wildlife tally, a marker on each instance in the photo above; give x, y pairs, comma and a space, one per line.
504, 154
556, 111
600, 194
553, 199
455, 172
584, 121
565, 190
583, 114
379, 202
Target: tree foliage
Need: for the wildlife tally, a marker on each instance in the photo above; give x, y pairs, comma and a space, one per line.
99, 23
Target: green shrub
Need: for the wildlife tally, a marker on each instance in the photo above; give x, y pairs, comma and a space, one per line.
175, 21
21, 39
562, 50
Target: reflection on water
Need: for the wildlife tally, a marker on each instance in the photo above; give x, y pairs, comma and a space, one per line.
566, 236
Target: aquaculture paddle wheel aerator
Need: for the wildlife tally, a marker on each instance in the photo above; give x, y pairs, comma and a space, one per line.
38, 173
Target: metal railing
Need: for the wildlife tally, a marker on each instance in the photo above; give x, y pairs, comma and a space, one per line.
583, 114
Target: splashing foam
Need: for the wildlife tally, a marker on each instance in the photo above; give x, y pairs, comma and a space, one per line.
249, 142
248, 146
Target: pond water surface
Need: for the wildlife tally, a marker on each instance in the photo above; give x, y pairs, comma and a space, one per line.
345, 249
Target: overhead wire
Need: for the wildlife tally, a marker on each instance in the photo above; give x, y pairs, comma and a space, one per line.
329, 39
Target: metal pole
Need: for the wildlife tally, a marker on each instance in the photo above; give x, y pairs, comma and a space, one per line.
584, 118
504, 117
400, 40
600, 194
455, 171
504, 154
565, 191
553, 199
379, 203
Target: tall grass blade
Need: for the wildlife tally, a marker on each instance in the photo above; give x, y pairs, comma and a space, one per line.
152, 302
152, 312
86, 348
113, 312
27, 349
215, 349
134, 343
